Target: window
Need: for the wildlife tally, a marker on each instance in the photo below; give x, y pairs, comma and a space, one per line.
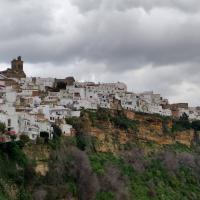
9, 122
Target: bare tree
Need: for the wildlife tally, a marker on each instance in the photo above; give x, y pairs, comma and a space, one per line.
115, 182
135, 157
74, 164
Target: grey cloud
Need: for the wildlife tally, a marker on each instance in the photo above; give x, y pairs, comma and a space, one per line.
120, 40
105, 43
121, 5
23, 18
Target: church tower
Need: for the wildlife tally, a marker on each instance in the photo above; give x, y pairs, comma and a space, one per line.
17, 64
16, 70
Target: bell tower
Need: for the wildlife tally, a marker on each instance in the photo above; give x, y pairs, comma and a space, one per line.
17, 64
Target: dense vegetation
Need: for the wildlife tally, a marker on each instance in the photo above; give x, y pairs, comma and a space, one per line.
16, 172
140, 171
184, 124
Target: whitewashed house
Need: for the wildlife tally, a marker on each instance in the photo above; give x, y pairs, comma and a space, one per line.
28, 126
10, 120
66, 129
129, 101
45, 126
44, 82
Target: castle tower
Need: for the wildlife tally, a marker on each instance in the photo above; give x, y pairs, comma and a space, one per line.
16, 70
17, 65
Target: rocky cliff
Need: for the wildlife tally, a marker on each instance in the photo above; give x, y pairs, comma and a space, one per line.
40, 154
147, 128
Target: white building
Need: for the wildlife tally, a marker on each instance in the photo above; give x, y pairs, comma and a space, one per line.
66, 129
28, 126
10, 120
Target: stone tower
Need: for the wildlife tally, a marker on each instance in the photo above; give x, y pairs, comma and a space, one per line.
16, 70
17, 65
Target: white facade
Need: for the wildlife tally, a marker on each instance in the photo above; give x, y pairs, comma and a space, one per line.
66, 129
44, 82
10, 120
28, 126
36, 83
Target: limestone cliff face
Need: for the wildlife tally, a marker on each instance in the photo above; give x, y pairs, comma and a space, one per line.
110, 140
150, 128
40, 154
185, 137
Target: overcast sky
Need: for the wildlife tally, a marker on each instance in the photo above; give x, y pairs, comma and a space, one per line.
148, 44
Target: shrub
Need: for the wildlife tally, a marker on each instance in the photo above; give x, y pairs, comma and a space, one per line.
23, 195
124, 123
2, 127
105, 196
83, 141
24, 139
14, 152
39, 140
103, 114
182, 124
178, 147
77, 123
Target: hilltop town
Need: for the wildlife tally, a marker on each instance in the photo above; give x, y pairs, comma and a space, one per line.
64, 139
30, 105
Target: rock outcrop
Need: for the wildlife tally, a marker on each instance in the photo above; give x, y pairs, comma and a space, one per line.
40, 154
150, 128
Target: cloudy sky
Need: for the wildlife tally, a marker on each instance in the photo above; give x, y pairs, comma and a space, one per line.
148, 44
